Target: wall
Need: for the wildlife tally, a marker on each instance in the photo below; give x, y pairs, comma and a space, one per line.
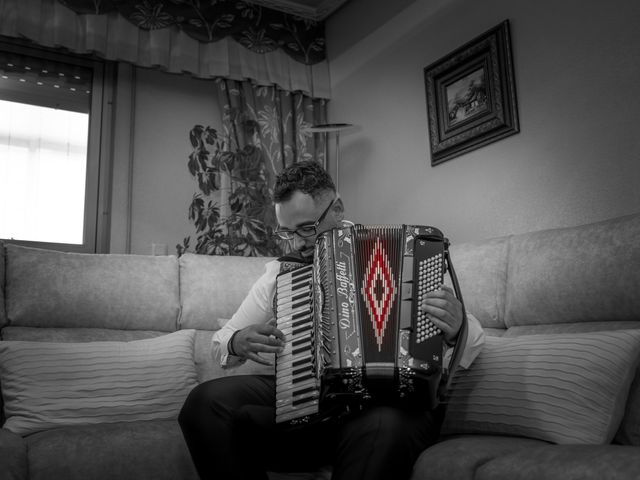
152, 186
576, 159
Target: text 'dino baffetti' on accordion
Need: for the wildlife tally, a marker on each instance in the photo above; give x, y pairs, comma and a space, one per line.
353, 324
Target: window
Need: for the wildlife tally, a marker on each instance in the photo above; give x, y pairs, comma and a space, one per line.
52, 141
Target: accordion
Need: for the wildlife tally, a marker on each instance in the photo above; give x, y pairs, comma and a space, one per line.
354, 328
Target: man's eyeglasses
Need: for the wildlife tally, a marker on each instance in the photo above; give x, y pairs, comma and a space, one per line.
306, 231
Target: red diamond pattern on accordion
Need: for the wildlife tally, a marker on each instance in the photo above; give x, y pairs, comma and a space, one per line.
379, 290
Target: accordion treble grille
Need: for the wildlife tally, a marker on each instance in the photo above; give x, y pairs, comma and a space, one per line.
379, 252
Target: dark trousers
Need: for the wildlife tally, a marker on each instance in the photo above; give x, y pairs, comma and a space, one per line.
229, 427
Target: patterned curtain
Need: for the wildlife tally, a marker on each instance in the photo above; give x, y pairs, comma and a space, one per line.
263, 130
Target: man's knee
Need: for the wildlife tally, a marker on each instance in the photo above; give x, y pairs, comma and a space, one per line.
190, 408
200, 402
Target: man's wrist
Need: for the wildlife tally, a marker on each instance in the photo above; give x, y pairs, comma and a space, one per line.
230, 348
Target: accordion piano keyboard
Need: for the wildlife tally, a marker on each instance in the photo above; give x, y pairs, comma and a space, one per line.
296, 382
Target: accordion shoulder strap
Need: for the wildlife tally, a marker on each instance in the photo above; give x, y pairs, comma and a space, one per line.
461, 341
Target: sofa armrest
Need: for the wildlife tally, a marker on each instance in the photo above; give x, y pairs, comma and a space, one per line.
13, 456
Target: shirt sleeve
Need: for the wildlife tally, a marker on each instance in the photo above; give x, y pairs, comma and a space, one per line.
475, 341
256, 308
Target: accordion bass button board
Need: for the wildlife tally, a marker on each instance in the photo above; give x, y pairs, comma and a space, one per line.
353, 321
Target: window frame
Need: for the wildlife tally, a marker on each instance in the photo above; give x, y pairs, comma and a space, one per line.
96, 222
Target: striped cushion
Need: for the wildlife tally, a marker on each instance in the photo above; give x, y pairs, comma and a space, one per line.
48, 385
562, 388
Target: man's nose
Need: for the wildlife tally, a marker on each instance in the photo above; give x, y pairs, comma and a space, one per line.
299, 242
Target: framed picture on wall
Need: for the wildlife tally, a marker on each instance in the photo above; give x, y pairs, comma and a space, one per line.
471, 96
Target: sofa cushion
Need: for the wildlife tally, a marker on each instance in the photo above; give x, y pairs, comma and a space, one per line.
579, 274
71, 335
13, 456
481, 269
564, 462
47, 385
123, 451
562, 388
45, 288
212, 287
458, 458
629, 431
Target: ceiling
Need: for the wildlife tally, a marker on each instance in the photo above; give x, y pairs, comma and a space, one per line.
311, 9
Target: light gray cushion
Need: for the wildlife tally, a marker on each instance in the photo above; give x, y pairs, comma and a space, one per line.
46, 288
579, 274
564, 462
71, 335
213, 287
458, 458
14, 464
47, 385
123, 451
561, 388
481, 268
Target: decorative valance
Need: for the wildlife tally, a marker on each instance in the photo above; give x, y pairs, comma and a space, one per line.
225, 38
259, 29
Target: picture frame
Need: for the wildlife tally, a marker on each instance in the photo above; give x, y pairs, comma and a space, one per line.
471, 96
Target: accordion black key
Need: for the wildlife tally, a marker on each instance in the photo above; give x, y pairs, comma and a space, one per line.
355, 332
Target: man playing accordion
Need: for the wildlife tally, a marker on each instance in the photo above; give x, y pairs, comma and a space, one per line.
229, 423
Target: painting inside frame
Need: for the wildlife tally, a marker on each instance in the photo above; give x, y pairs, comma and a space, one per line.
467, 97
471, 99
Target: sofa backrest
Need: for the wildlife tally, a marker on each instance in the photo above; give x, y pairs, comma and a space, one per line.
211, 290
567, 276
46, 288
481, 268
212, 287
581, 274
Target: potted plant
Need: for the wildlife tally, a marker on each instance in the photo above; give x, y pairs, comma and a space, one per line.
233, 210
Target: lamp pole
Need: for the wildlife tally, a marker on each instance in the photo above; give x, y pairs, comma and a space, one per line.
327, 129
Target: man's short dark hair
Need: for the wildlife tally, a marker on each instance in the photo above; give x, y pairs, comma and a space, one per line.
307, 177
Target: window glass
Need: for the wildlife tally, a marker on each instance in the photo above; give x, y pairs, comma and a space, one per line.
43, 166
48, 165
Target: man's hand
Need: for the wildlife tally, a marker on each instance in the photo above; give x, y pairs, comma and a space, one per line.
254, 339
445, 311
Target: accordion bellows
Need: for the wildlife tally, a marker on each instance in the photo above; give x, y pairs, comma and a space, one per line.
562, 388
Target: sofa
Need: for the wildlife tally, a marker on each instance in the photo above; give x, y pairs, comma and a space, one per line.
99, 351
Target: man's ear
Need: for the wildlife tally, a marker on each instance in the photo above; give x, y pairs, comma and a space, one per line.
338, 210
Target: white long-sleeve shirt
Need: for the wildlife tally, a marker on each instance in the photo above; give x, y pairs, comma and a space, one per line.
257, 308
